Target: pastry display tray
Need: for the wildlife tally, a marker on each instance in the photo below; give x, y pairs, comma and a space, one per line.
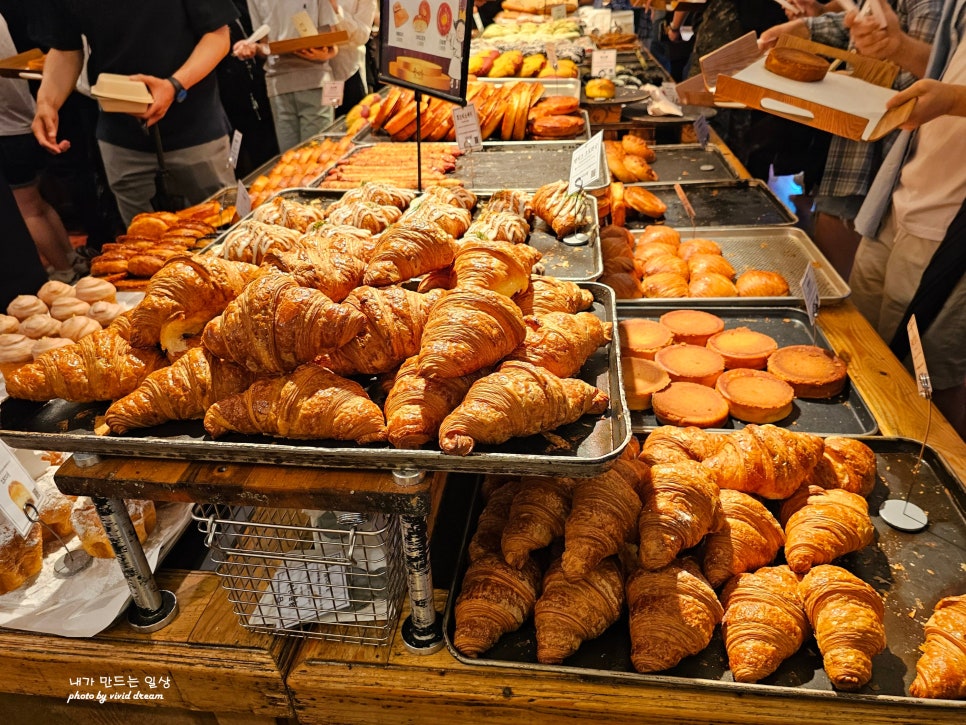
583, 448
845, 414
911, 571
739, 203
524, 165
787, 250
265, 168
689, 164
578, 259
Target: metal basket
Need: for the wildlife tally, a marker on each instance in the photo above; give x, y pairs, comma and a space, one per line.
324, 575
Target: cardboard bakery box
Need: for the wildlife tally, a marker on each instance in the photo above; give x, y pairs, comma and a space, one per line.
119, 94
319, 40
850, 101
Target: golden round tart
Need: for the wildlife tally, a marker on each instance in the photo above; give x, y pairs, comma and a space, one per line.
643, 338
743, 348
755, 396
642, 378
687, 404
690, 363
811, 371
692, 326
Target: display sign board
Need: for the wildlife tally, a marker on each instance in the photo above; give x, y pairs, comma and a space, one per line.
424, 45
603, 63
466, 123
918, 359
17, 488
588, 165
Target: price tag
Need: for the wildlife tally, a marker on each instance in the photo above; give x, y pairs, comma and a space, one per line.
603, 63
466, 122
304, 24
670, 91
243, 201
702, 129
332, 93
918, 359
236, 139
558, 12
588, 164
552, 54
810, 293
16, 489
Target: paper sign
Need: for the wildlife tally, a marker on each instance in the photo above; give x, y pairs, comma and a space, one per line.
16, 489
598, 20
670, 91
588, 164
558, 12
236, 139
702, 129
243, 201
466, 122
918, 359
552, 54
332, 93
304, 24
622, 21
810, 293
603, 63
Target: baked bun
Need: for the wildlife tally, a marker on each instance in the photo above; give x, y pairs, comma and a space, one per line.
706, 263
9, 324
53, 289
556, 126
743, 348
643, 338
660, 233
77, 327
796, 64
685, 404
755, 396
665, 284
811, 371
711, 284
600, 88
661, 263
65, 307
698, 246
38, 326
23, 306
646, 251
93, 289
87, 525
692, 326
20, 557
690, 363
642, 378
760, 283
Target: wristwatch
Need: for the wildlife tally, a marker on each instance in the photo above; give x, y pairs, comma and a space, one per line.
179, 90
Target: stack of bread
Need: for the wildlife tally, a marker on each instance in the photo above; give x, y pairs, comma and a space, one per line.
395, 164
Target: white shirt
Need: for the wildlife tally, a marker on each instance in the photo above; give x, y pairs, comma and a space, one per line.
356, 18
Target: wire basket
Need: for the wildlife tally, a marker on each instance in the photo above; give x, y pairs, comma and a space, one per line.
318, 574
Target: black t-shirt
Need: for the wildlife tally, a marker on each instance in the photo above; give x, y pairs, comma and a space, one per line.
153, 37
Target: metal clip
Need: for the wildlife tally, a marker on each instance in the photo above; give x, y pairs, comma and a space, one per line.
72, 561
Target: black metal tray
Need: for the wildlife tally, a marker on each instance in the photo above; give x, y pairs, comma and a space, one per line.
911, 571
740, 203
845, 414
521, 165
690, 163
594, 442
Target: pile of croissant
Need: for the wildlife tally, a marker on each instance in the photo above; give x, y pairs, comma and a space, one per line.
278, 334
672, 522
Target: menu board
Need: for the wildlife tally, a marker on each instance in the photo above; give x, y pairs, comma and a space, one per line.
424, 46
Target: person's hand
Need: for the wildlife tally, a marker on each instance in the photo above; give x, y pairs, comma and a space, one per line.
933, 99
871, 40
804, 9
319, 55
770, 36
245, 49
163, 93
45, 124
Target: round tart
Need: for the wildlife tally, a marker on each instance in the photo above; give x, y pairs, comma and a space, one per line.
743, 348
643, 338
796, 64
691, 363
687, 404
811, 371
755, 396
692, 326
642, 378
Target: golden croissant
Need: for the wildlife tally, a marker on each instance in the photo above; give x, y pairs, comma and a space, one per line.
468, 330
310, 402
452, 219
517, 400
563, 212
765, 460
749, 538
358, 243
183, 296
846, 614
488, 537
395, 318
332, 273
672, 444
415, 405
673, 613
274, 325
363, 214
289, 213
830, 524
536, 517
100, 366
568, 613
499, 266
384, 194
941, 670
549, 294
409, 250
846, 463
764, 621
495, 599
504, 226
251, 240
183, 390
561, 342
678, 507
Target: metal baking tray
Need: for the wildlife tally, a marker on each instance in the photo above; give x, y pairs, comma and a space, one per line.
523, 165
690, 163
911, 571
787, 250
592, 443
845, 414
739, 203
265, 168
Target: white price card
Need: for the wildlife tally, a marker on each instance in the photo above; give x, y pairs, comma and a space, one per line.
243, 201
810, 293
558, 12
332, 93
622, 21
702, 129
603, 63
236, 139
466, 122
918, 359
17, 489
304, 25
588, 164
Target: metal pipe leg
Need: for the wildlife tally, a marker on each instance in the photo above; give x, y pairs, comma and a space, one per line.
153, 608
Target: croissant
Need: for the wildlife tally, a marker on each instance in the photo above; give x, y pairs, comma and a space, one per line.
468, 330
310, 402
517, 400
510, 200
384, 194
846, 463
536, 517
289, 213
183, 296
830, 524
678, 508
488, 537
941, 670
452, 219
437, 279
549, 294
561, 342
761, 283
644, 202
408, 250
499, 266
765, 460
626, 285
395, 319
495, 599
711, 284
673, 613
764, 621
274, 325
665, 285
846, 614
363, 214
415, 405
251, 240
670, 444
101, 366
355, 242
183, 390
661, 234
569, 613
563, 212
452, 195
504, 226
332, 273
749, 538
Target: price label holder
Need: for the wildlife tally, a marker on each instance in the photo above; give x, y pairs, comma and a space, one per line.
558, 12
603, 63
466, 122
332, 93
702, 129
236, 139
810, 293
551, 52
588, 165
304, 24
243, 201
